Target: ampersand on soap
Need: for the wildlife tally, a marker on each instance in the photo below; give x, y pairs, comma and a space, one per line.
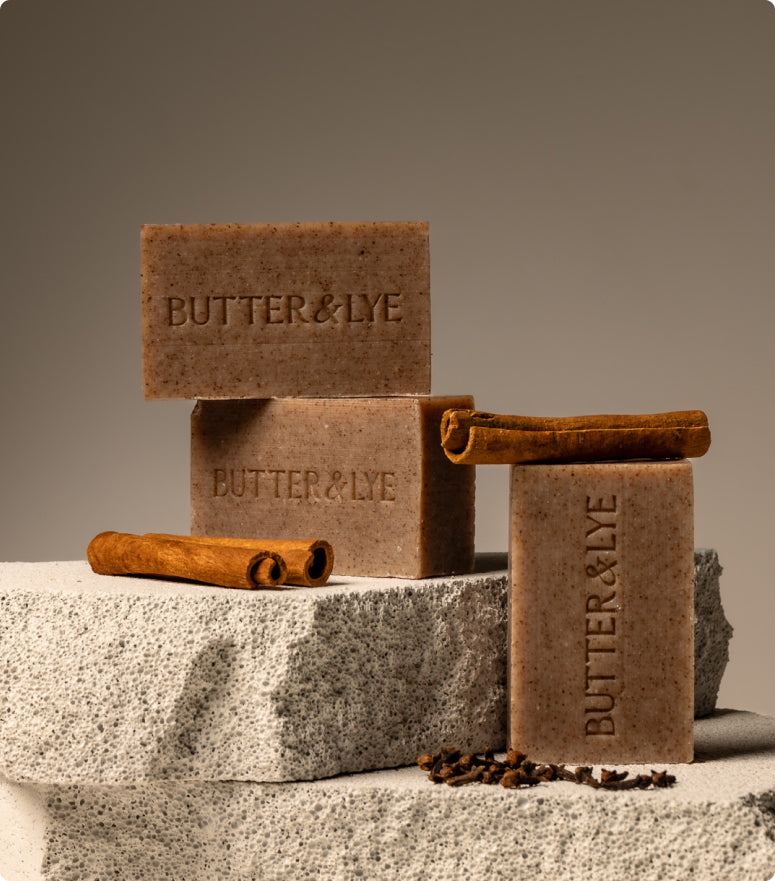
327, 310
337, 486
604, 571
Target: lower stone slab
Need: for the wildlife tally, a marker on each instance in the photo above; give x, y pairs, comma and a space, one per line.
112, 680
717, 822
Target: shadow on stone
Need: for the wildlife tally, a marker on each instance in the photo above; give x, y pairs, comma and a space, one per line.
205, 683
722, 736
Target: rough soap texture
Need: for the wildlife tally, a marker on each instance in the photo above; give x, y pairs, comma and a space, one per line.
127, 679
366, 474
716, 824
601, 626
259, 310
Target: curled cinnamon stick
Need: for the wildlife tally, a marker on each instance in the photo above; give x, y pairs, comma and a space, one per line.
470, 437
117, 553
309, 563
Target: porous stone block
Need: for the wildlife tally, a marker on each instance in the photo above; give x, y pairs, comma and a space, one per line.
601, 613
116, 679
712, 632
261, 310
716, 824
366, 474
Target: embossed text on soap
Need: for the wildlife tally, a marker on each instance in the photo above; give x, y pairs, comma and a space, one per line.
603, 606
285, 310
265, 309
305, 484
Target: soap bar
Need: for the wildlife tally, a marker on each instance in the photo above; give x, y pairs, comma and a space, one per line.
295, 309
366, 474
601, 646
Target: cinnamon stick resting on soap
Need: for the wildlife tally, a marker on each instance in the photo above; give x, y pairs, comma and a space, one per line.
309, 563
470, 437
117, 553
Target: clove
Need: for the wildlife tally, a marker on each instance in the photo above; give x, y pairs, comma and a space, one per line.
455, 768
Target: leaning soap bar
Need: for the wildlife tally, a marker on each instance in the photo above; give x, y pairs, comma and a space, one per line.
601, 612
295, 309
366, 474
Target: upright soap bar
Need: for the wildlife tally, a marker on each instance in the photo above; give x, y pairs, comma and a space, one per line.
366, 474
601, 612
263, 310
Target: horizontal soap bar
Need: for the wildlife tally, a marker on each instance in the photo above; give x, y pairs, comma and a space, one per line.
476, 438
293, 309
601, 612
366, 474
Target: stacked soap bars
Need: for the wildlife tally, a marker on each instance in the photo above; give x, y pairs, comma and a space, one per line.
307, 347
601, 556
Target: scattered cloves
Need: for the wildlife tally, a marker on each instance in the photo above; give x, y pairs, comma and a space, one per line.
562, 773
454, 768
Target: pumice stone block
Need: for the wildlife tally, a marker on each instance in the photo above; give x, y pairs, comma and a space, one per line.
118, 679
263, 310
715, 824
366, 474
601, 615
712, 631
111, 679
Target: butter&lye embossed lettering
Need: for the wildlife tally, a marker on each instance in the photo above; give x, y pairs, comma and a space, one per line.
285, 310
602, 649
601, 612
307, 484
368, 473
260, 311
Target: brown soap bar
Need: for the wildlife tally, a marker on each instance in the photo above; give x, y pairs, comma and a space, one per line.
601, 612
295, 309
369, 474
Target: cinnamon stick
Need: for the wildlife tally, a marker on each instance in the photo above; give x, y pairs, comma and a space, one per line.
470, 437
309, 563
117, 553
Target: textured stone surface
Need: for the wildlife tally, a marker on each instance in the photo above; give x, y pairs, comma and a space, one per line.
128, 679
367, 474
109, 679
718, 822
712, 632
261, 310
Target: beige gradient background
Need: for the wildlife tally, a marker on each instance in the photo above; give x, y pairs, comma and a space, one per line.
598, 176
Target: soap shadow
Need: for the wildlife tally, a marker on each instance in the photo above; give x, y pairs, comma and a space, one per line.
726, 738
493, 561
219, 419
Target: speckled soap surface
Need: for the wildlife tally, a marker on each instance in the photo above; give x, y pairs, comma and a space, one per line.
259, 310
115, 679
716, 824
367, 474
601, 635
